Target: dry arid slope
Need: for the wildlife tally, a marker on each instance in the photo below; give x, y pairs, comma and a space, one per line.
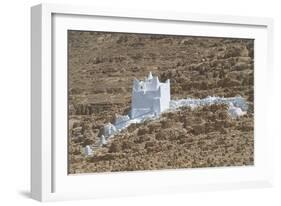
101, 69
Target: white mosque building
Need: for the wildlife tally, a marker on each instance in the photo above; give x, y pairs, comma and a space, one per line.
150, 96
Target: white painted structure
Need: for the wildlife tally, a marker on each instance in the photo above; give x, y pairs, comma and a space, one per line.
102, 140
109, 129
121, 121
150, 96
88, 151
234, 111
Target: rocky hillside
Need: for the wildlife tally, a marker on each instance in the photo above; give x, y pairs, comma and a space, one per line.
101, 70
204, 137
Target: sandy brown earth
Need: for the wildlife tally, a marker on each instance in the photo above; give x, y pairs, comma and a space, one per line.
101, 70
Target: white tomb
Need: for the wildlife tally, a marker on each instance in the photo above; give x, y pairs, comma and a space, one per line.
109, 129
88, 151
150, 97
102, 140
235, 111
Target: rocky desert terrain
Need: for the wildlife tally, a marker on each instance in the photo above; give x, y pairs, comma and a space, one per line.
101, 69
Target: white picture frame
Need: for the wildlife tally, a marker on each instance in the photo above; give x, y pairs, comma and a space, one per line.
49, 179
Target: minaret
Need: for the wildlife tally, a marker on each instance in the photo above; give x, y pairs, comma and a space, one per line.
149, 76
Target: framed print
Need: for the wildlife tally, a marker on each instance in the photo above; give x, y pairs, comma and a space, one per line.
137, 102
